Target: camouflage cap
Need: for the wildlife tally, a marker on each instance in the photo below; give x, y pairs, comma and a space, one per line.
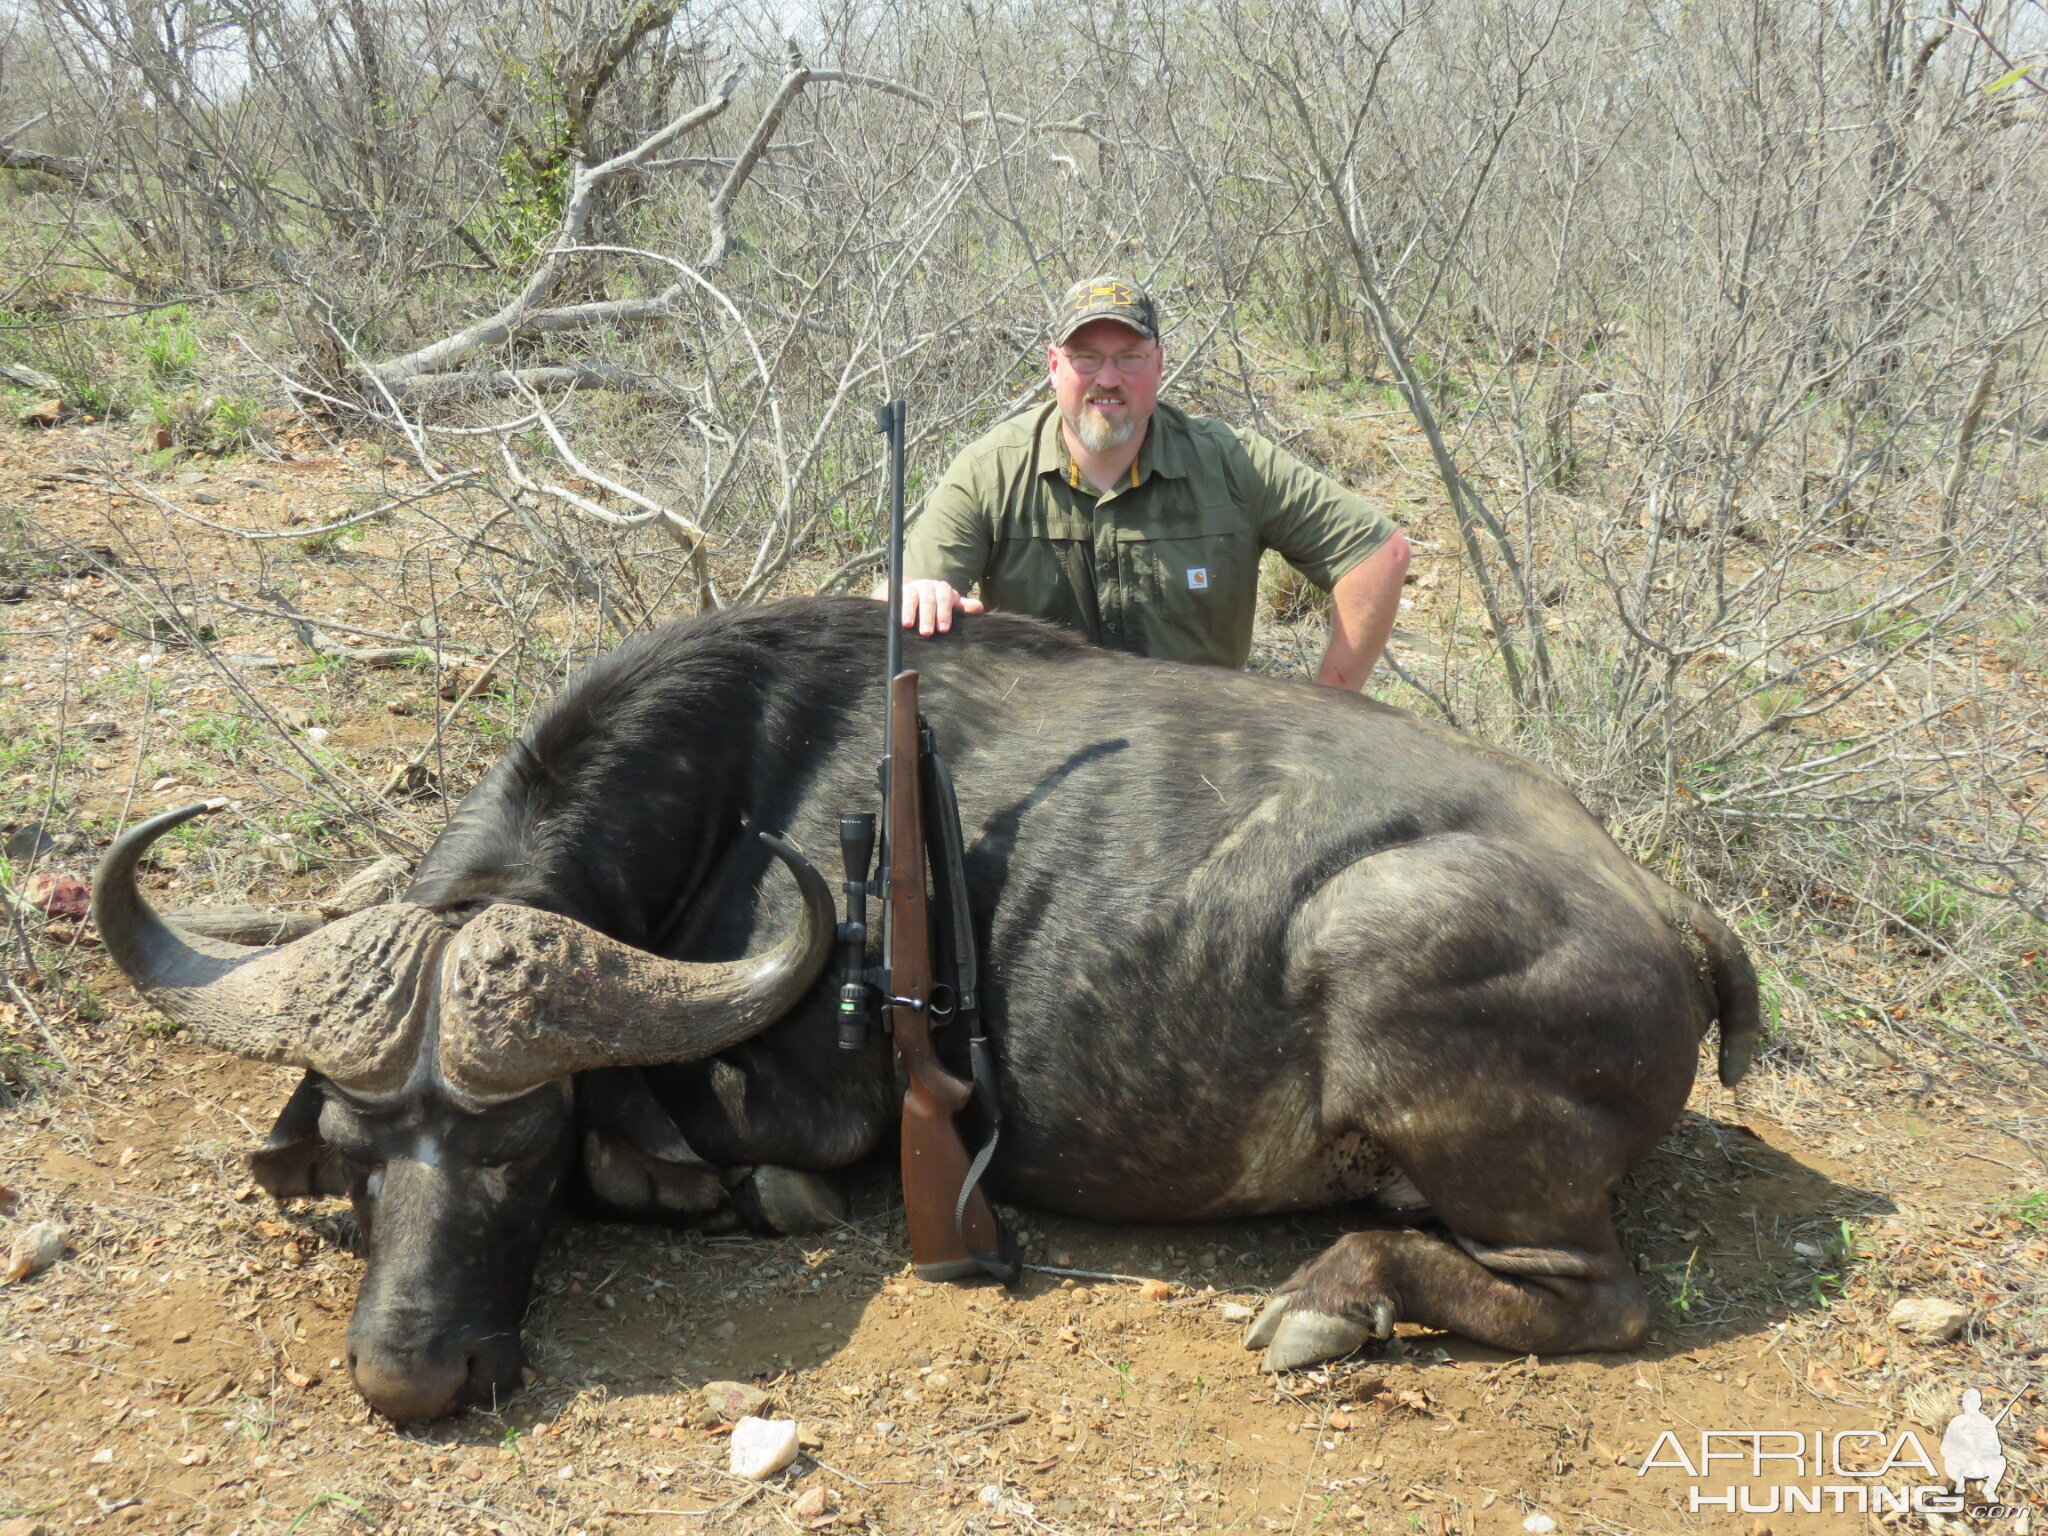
1107, 298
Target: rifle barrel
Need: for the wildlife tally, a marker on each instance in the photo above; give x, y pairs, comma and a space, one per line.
890, 419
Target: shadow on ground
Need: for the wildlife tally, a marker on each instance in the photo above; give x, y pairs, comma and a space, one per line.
1730, 1233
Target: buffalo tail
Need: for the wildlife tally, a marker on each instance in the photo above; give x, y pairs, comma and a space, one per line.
1738, 1007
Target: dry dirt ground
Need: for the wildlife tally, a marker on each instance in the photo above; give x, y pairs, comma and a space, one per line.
177, 1370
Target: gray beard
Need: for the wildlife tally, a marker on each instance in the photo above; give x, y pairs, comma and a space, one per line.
1097, 432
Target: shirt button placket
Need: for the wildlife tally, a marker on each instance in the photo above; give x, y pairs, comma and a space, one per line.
1111, 594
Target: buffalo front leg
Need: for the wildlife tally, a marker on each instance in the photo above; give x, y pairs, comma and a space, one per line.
1528, 1300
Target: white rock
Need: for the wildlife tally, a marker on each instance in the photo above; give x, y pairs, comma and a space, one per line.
762, 1447
1928, 1317
34, 1251
1539, 1524
1001, 1503
1234, 1312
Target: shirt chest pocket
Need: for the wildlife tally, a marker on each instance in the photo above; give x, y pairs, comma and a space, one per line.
1196, 588
1035, 536
1043, 565
1035, 522
1193, 571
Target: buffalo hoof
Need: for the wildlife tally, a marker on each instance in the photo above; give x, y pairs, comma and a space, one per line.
789, 1200
1260, 1334
1294, 1339
1309, 1338
634, 1182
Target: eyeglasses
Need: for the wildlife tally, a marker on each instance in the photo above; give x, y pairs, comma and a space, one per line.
1088, 364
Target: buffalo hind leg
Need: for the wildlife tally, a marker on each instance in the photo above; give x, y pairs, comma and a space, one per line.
1516, 1039
1528, 1300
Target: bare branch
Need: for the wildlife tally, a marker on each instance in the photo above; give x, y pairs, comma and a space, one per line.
520, 316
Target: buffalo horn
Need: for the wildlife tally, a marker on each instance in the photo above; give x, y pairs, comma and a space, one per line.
530, 996
345, 1000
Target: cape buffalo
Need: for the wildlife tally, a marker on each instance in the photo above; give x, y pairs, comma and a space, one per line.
1249, 945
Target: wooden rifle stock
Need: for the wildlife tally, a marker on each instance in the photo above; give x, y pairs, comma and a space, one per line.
935, 1161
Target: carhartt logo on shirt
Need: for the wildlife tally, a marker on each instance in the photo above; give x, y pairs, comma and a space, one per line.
1198, 578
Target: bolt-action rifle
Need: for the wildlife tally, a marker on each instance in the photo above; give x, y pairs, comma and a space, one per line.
954, 1234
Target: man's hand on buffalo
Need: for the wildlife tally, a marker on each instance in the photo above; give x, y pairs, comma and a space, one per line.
929, 606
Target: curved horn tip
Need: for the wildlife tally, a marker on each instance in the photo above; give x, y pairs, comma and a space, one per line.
192, 812
779, 845
131, 841
809, 881
820, 911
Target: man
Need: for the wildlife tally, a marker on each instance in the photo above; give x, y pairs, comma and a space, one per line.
1123, 517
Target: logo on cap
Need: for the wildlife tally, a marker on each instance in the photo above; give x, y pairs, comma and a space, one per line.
1090, 295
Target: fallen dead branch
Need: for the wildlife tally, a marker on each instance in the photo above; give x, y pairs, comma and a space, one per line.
441, 487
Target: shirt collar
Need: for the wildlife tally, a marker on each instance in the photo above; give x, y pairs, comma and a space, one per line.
1165, 450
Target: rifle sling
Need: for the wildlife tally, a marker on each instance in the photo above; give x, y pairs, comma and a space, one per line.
958, 959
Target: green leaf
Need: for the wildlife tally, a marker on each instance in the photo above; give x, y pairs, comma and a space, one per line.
2009, 79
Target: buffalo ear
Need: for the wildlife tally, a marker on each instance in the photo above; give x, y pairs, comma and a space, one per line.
294, 1159
635, 1159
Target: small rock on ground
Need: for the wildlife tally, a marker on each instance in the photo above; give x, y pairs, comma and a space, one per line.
812, 1503
734, 1400
762, 1447
59, 894
1928, 1317
36, 379
34, 1251
26, 844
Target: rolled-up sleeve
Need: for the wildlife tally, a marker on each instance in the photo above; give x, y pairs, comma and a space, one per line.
1321, 529
952, 538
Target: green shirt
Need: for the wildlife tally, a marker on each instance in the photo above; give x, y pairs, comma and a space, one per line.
1166, 564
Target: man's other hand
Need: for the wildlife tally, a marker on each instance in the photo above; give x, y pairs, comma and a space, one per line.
929, 606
